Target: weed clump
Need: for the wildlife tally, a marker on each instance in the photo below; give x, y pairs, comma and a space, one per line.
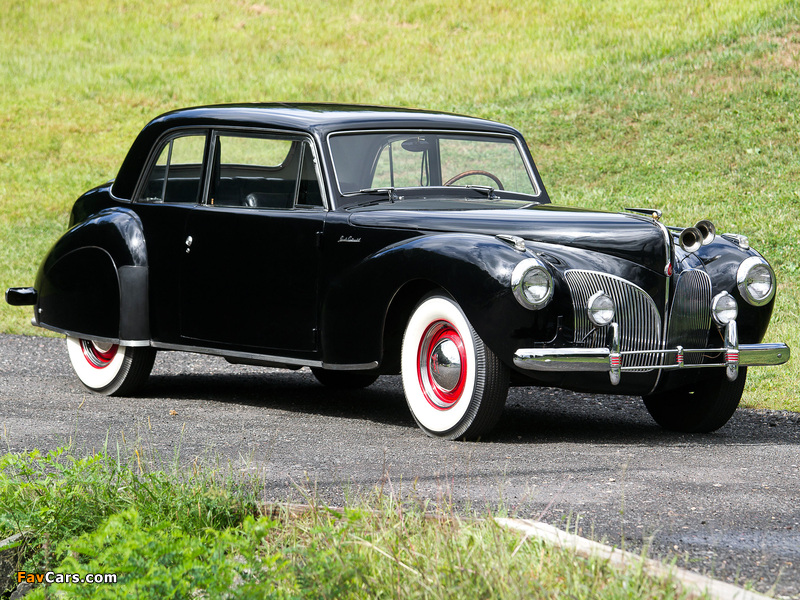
152, 534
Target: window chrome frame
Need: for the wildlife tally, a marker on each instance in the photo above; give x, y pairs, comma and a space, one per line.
210, 132
152, 159
269, 133
434, 131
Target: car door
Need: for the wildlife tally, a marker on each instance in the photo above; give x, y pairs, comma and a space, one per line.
166, 197
252, 247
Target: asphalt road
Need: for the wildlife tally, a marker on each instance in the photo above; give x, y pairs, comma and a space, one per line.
725, 504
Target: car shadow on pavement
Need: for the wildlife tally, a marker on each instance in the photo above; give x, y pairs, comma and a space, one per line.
297, 392
532, 415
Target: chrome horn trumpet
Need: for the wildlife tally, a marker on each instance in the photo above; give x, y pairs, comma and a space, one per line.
691, 239
707, 230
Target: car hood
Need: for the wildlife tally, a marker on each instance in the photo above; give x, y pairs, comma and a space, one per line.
629, 236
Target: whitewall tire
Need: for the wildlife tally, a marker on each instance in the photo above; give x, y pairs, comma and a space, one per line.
454, 385
110, 369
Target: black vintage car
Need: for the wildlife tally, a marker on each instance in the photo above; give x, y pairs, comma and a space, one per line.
361, 241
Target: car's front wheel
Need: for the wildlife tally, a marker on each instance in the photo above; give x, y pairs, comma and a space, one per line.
455, 386
110, 369
700, 408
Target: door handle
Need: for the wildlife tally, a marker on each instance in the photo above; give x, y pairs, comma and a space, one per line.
188, 244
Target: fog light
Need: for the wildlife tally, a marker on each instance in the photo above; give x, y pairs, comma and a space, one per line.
601, 309
724, 308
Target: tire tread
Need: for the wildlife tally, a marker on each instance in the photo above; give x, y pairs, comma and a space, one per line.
134, 372
703, 408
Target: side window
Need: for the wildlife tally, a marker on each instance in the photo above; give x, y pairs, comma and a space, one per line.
263, 172
176, 175
309, 193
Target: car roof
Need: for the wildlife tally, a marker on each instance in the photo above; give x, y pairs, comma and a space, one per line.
318, 119
321, 117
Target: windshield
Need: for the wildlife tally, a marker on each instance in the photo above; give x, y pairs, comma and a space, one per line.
365, 161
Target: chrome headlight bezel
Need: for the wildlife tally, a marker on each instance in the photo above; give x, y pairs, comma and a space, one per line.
522, 273
721, 303
744, 280
597, 313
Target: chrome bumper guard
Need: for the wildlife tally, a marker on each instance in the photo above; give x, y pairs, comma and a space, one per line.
609, 359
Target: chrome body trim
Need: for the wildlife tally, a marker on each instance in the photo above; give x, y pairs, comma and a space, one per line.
653, 213
368, 366
763, 355
738, 239
268, 359
690, 315
251, 356
638, 319
732, 351
600, 359
515, 241
93, 338
668, 269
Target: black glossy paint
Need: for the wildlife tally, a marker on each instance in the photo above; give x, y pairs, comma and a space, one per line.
249, 278
337, 286
612, 234
21, 296
79, 285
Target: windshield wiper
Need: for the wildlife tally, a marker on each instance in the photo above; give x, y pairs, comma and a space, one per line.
381, 190
389, 191
487, 189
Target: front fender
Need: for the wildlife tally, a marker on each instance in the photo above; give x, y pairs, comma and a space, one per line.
721, 260
474, 269
93, 281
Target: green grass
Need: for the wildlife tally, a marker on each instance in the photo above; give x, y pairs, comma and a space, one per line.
201, 534
688, 107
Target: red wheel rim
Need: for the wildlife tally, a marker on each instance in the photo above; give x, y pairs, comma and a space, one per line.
442, 365
98, 355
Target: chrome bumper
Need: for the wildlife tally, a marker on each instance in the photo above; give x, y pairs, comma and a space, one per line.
609, 359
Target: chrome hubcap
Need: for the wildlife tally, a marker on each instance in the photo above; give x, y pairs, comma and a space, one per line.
445, 365
442, 362
98, 354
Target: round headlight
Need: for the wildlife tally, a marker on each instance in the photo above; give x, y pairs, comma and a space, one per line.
601, 309
724, 308
532, 284
756, 281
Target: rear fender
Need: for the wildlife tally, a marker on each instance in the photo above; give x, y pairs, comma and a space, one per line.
94, 280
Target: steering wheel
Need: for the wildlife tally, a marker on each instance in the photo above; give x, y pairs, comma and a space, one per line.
494, 178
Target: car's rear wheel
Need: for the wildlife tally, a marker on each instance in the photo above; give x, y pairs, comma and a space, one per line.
344, 380
454, 385
110, 369
700, 408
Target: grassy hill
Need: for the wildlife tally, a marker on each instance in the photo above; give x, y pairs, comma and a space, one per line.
689, 107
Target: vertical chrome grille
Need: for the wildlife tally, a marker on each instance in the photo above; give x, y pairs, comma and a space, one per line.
690, 317
636, 314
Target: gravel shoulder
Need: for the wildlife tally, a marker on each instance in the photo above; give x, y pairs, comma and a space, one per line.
725, 504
